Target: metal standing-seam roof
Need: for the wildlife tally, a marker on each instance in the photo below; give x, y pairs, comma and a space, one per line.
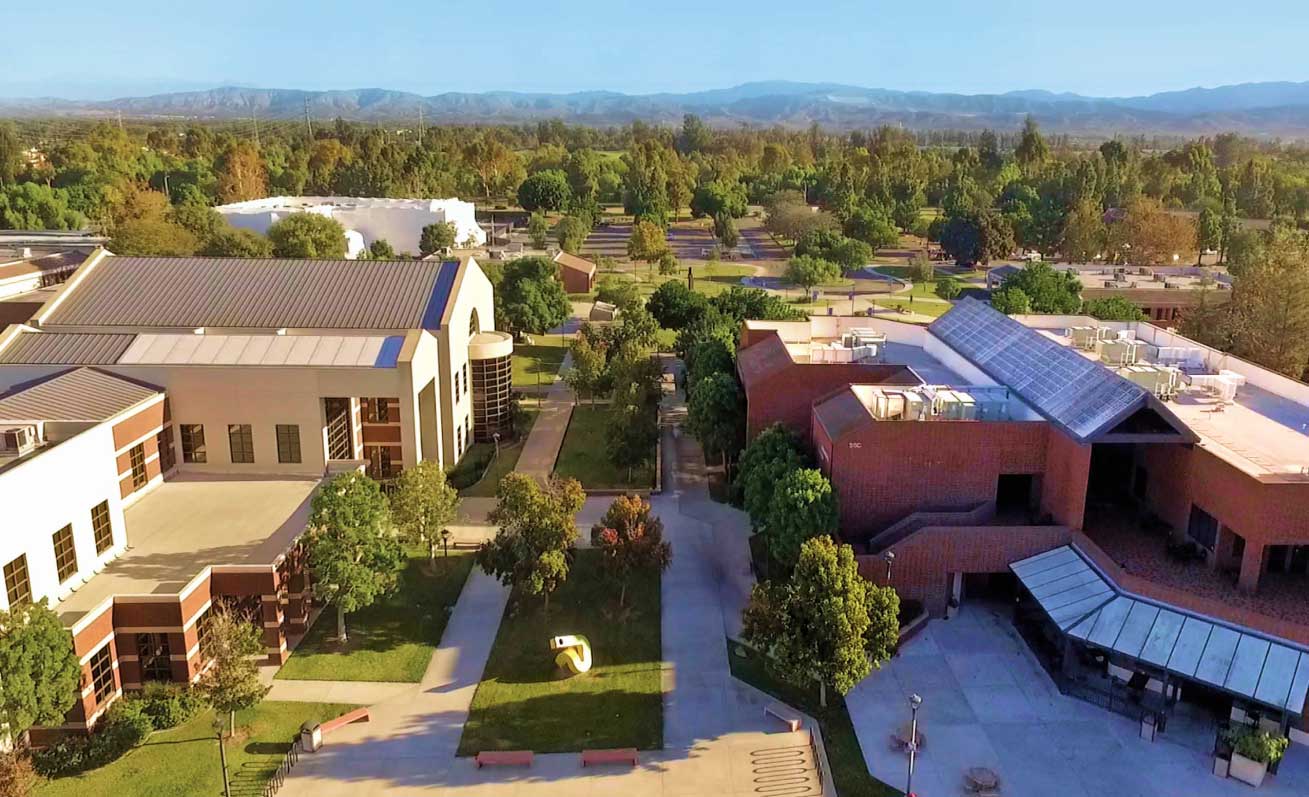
370, 351
242, 293
65, 348
82, 394
1081, 397
1088, 607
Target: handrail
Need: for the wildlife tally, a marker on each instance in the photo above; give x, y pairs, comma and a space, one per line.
906, 526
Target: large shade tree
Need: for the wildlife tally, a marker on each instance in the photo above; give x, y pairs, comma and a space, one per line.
630, 539
532, 298
423, 504
40, 676
536, 532
308, 235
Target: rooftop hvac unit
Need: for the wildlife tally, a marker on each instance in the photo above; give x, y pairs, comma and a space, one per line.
1221, 387
955, 405
1162, 382
1120, 352
1084, 338
1233, 376
18, 440
866, 337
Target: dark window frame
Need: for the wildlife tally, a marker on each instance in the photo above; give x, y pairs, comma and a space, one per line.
288, 444
193, 444
102, 527
65, 549
18, 581
154, 653
103, 682
241, 443
136, 456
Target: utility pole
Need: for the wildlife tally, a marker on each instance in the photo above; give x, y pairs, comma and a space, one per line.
308, 124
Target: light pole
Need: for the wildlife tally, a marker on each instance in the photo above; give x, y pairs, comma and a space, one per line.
914, 702
890, 558
445, 540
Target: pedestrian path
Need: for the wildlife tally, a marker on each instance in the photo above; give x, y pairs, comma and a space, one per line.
541, 448
360, 693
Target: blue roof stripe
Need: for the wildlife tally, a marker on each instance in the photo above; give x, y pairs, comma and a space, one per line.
441, 289
389, 355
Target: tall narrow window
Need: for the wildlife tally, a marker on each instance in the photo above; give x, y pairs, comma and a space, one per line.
102, 675
102, 527
65, 554
137, 457
242, 443
288, 443
167, 459
18, 587
193, 443
381, 410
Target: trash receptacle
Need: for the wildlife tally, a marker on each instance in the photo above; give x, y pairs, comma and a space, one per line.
311, 737
1148, 726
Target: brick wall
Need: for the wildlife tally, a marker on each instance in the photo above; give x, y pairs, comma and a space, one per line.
1067, 469
788, 396
885, 470
926, 561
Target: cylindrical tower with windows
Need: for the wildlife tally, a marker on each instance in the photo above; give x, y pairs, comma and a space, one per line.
490, 359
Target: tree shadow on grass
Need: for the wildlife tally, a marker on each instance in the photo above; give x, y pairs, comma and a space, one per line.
567, 722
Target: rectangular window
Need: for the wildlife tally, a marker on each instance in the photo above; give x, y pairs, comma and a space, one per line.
465, 373
193, 443
203, 633
102, 675
65, 554
1203, 528
102, 527
242, 443
381, 410
380, 465
154, 654
18, 587
137, 457
288, 443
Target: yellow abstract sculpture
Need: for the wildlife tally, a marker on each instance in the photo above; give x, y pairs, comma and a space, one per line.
574, 653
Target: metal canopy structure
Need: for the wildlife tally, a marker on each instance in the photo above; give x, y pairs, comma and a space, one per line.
1081, 397
1088, 607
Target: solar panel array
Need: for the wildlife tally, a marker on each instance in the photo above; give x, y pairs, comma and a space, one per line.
1081, 396
1089, 608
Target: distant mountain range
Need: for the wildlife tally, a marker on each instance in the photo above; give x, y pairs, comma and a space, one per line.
1268, 109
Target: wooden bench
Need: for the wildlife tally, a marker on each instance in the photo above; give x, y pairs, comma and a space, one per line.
783, 712
618, 755
504, 758
358, 715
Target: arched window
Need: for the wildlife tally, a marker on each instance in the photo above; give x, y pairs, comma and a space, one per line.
474, 325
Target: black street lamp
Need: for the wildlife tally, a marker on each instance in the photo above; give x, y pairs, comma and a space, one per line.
914, 702
890, 558
445, 540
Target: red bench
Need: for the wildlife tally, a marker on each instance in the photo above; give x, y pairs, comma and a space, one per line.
358, 715
618, 755
504, 758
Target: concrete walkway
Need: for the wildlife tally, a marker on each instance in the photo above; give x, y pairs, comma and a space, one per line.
541, 448
363, 693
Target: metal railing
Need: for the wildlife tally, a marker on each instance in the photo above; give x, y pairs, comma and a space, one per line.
289, 760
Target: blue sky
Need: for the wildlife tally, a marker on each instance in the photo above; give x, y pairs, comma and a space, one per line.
96, 49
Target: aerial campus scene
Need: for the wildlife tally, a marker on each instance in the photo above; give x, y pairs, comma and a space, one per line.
670, 401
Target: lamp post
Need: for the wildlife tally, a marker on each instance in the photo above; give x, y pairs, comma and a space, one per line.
890, 558
445, 540
914, 702
495, 437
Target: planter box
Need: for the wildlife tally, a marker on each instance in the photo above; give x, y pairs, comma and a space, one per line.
1247, 771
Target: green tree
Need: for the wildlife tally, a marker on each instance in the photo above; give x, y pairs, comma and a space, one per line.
30, 206
1269, 316
806, 271
547, 190
1083, 236
1208, 231
1048, 290
241, 173
706, 357
816, 625
353, 551
11, 153
532, 298
949, 288
588, 367
741, 304
872, 226
977, 237
381, 249
42, 677
1011, 301
537, 530
647, 242
231, 681
921, 268
153, 237
832, 246
1032, 151
668, 264
436, 236
633, 432
716, 415
308, 235
537, 230
718, 197
631, 539
1112, 308
802, 506
618, 292
725, 231
772, 454
571, 232
423, 504
233, 242
674, 305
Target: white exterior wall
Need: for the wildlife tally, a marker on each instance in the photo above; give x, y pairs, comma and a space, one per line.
54, 488
472, 292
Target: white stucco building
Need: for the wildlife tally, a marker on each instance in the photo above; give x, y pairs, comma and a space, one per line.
399, 222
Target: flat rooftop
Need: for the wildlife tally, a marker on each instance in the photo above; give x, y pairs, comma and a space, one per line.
192, 522
932, 370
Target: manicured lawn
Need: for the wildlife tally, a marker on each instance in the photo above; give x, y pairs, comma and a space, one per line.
184, 761
844, 755
502, 463
392, 640
537, 364
584, 454
524, 703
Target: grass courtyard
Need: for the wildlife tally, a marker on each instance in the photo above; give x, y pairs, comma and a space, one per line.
844, 755
499, 464
184, 761
523, 703
392, 640
538, 363
583, 455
